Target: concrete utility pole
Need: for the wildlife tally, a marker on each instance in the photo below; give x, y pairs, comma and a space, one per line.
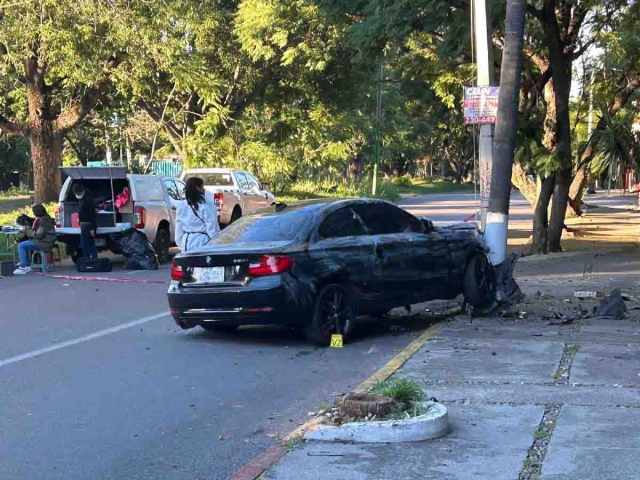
505, 137
484, 62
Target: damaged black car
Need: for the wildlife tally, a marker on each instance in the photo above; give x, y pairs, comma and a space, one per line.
320, 265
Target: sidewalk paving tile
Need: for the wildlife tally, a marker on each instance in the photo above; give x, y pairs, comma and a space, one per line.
485, 360
607, 365
594, 444
485, 442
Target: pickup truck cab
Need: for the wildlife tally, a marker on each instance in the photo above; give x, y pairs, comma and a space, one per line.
151, 209
236, 192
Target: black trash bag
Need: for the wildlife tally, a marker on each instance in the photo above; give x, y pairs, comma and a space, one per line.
136, 249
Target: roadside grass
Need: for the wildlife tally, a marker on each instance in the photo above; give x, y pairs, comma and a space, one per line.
401, 390
434, 185
388, 190
407, 393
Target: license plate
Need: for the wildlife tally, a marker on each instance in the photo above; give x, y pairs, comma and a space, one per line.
209, 275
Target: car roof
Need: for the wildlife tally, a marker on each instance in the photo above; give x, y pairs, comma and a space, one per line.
327, 204
209, 170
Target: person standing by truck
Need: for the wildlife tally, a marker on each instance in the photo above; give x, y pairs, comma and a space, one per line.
197, 219
87, 218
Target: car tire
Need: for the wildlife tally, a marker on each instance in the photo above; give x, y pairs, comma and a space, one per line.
212, 327
479, 287
333, 302
236, 215
162, 244
76, 255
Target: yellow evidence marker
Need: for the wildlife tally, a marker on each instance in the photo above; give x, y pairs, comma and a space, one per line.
336, 341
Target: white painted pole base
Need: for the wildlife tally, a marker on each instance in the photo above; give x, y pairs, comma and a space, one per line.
495, 236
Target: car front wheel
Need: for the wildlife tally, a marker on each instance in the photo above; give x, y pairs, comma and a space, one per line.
479, 287
334, 312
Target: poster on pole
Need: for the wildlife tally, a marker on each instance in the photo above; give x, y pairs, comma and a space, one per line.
480, 105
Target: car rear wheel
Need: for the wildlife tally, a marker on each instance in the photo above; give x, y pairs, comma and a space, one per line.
162, 244
212, 327
479, 287
236, 215
334, 312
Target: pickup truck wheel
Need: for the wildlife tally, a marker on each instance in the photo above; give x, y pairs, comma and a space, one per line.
77, 255
163, 241
236, 215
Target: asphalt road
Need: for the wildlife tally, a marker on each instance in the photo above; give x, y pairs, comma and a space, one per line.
98, 383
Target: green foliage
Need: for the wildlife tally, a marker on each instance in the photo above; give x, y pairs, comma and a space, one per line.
404, 181
401, 390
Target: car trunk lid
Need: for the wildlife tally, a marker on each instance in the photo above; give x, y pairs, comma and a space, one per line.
235, 264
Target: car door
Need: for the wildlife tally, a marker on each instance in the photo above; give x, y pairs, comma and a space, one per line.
247, 195
414, 263
175, 199
341, 245
261, 197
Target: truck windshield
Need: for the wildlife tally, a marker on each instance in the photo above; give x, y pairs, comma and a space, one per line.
213, 179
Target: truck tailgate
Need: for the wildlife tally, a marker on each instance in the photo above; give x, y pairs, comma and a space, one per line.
100, 231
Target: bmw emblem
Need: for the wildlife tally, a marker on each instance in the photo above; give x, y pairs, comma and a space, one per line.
208, 260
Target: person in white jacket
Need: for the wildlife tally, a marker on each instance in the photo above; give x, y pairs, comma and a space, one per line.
197, 218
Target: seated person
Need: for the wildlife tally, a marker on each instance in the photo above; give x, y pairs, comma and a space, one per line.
41, 235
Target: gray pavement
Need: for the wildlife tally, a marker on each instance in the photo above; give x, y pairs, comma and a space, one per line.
528, 398
98, 382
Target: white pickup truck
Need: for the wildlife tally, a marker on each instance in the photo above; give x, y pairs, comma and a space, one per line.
236, 192
151, 209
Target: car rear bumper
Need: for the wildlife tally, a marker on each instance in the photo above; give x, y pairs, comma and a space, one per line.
264, 301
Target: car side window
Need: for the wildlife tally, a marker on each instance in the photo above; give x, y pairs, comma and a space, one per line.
172, 190
252, 181
385, 219
242, 180
181, 186
343, 223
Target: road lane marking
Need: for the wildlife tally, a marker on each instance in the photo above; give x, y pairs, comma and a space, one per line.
85, 338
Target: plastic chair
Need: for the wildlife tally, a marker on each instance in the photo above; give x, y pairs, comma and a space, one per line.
47, 259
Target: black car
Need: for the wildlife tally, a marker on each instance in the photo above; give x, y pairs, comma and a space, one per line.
321, 264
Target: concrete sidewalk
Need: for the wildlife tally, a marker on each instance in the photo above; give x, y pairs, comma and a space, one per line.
528, 398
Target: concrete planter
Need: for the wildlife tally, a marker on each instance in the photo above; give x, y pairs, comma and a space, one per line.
433, 424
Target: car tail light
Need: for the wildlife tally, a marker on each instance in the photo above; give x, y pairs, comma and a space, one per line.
177, 272
59, 215
270, 265
141, 217
218, 198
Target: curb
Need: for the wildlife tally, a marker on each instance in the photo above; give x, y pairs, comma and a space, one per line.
256, 467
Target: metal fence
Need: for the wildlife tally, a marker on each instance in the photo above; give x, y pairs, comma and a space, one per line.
158, 167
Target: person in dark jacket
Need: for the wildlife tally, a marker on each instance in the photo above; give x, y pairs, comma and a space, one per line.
87, 219
41, 235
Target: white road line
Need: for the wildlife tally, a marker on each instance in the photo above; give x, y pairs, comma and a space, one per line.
85, 338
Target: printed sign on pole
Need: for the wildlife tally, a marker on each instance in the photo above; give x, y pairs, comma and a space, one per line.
480, 105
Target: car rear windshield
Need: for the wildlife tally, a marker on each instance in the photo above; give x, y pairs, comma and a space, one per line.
213, 179
282, 227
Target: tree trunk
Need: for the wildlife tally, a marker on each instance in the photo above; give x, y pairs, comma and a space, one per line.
576, 190
496, 232
522, 182
46, 152
46, 146
540, 215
